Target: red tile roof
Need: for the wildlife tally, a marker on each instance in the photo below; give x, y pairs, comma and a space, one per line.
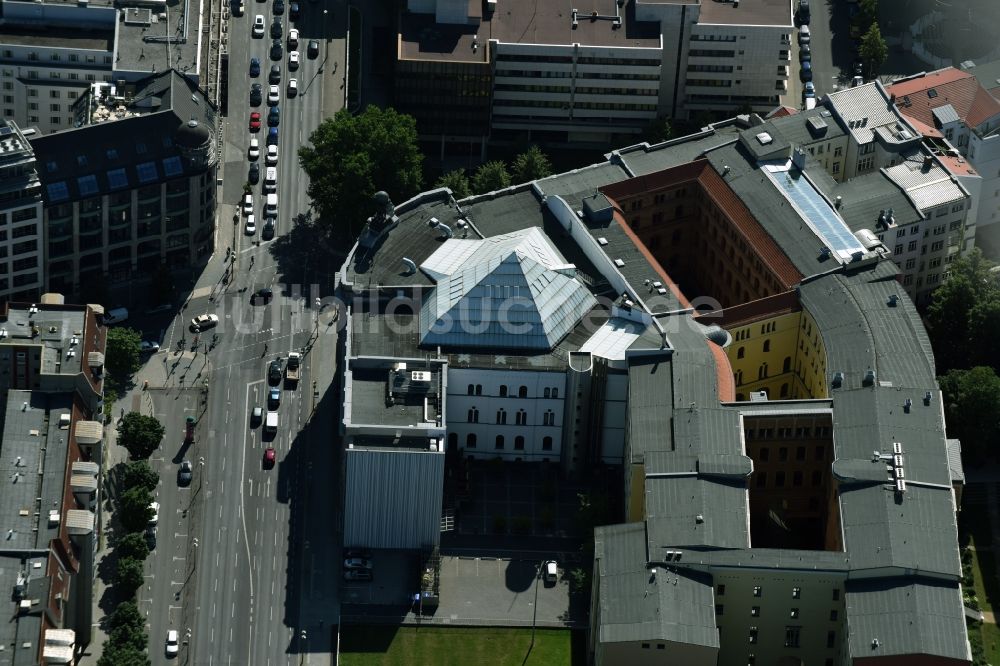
952, 86
957, 164
781, 112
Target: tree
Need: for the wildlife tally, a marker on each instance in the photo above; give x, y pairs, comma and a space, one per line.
490, 176
110, 398
961, 308
984, 328
122, 354
873, 50
457, 182
138, 474
972, 409
133, 546
134, 511
140, 434
113, 654
869, 11
127, 615
659, 130
531, 165
351, 157
129, 577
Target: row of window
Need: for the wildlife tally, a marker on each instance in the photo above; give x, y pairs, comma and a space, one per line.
787, 432
498, 443
520, 417
793, 613
744, 334
522, 392
764, 453
56, 57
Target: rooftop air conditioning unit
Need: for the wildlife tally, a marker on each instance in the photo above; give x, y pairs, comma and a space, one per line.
420, 376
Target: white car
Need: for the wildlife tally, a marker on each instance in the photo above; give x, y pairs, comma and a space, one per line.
203, 322
293, 88
251, 226
258, 25
254, 151
155, 507
272, 154
273, 95
293, 60
293, 38
172, 645
248, 204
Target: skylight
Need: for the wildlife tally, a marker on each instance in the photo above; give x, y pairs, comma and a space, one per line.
147, 172
87, 185
117, 179
172, 167
58, 191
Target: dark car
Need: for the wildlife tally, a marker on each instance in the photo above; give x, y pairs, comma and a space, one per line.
267, 233
805, 53
806, 72
254, 174
275, 75
254, 66
274, 372
359, 575
293, 11
255, 95
151, 537
184, 474
277, 30
803, 13
279, 7
274, 116
272, 135
269, 458
277, 50
274, 398
313, 49
262, 295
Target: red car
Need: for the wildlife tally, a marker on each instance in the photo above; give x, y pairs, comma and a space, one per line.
268, 458
254, 121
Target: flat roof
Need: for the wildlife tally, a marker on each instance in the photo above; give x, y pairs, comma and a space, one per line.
749, 12
370, 406
62, 349
143, 47
54, 36
525, 22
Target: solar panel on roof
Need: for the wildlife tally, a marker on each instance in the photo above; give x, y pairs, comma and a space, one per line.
932, 93
87, 185
146, 172
172, 167
57, 191
117, 179
818, 214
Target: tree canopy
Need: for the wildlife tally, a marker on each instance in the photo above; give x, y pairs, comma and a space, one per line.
531, 165
351, 157
122, 353
138, 474
133, 545
140, 434
115, 655
659, 130
134, 511
964, 315
126, 614
491, 176
129, 578
873, 49
457, 182
972, 409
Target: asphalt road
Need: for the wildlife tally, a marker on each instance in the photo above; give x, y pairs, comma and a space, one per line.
227, 567
831, 50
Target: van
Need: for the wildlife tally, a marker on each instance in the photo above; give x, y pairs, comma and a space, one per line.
271, 179
271, 423
551, 573
115, 316
271, 207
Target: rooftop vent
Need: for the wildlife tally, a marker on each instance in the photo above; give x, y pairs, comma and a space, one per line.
420, 376
764, 138
893, 299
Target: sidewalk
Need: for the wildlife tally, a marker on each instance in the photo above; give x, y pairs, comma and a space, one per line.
155, 372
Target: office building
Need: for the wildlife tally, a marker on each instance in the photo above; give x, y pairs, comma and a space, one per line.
21, 265
132, 188
714, 319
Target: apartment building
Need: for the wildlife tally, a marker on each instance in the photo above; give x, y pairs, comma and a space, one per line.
768, 391
21, 265
51, 52
131, 189
952, 106
597, 72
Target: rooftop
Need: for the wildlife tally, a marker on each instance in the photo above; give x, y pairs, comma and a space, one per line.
56, 36
154, 40
945, 95
862, 109
748, 12
926, 182
58, 332
371, 404
525, 22
988, 75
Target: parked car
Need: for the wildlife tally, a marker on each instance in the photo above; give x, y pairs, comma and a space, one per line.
806, 72
255, 95
267, 233
258, 26
269, 457
204, 322
357, 563
312, 50
263, 294
254, 66
358, 575
293, 88
254, 121
256, 416
279, 7
803, 12
253, 152
273, 95
274, 116
293, 39
274, 371
805, 53
149, 346
248, 204
250, 228
155, 508
184, 473
550, 574
273, 398
276, 49
151, 536
809, 89
254, 174
272, 154
293, 60
272, 136
293, 11
277, 29
804, 35
239, 7
275, 75
172, 645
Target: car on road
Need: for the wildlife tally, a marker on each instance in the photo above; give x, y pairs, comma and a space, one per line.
357, 552
279, 7
204, 322
255, 95
293, 88
293, 11
151, 536
267, 233
184, 472
805, 53
804, 35
269, 457
274, 116
263, 294
272, 136
254, 121
293, 39
250, 228
358, 575
293, 60
254, 66
275, 75
809, 89
239, 7
273, 95
271, 179
276, 49
803, 12
806, 72
277, 29
149, 346
254, 174
357, 563
155, 508
273, 398
256, 416
550, 573
258, 25
172, 645
274, 371
313, 49
253, 152
272, 154
248, 204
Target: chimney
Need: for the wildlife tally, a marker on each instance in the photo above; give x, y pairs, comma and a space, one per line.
928, 162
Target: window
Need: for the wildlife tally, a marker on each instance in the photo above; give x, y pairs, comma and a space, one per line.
767, 346
837, 151
546, 444
937, 246
473, 415
866, 163
758, 591
819, 452
479, 389
718, 609
833, 616
555, 393
503, 390
786, 366
740, 352
720, 590
898, 249
549, 417
796, 593
470, 440
753, 634
765, 453
499, 442
547, 393
783, 454
522, 392
800, 453
521, 418
831, 639
910, 263
519, 443
761, 479
645, 646
836, 166
472, 389
755, 611
792, 636
779, 480
797, 478
912, 246
794, 614
501, 416
836, 595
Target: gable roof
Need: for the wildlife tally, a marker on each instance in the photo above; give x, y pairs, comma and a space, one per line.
919, 96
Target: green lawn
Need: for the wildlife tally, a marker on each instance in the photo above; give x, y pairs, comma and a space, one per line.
402, 646
975, 524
